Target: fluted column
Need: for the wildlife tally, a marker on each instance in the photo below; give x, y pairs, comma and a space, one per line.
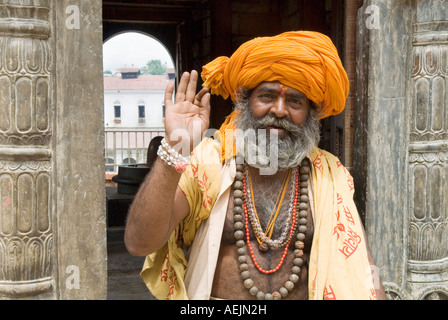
27, 251
428, 154
52, 193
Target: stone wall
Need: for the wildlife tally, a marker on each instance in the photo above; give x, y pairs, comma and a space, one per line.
401, 143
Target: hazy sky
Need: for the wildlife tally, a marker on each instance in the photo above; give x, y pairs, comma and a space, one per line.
131, 48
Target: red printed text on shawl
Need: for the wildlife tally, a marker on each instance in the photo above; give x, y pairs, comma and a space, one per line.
329, 293
351, 243
373, 294
348, 215
351, 239
168, 275
317, 163
350, 182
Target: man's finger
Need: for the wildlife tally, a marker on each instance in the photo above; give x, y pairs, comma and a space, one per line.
183, 83
205, 102
199, 96
169, 94
192, 84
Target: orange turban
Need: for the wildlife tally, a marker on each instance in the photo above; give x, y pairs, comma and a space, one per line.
304, 60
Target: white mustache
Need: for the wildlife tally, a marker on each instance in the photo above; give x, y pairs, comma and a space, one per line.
284, 123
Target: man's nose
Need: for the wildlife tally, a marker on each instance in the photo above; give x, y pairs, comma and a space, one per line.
279, 107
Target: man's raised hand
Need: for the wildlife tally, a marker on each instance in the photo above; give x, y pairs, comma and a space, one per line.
188, 117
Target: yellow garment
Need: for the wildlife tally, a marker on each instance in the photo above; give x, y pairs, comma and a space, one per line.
339, 266
164, 270
304, 60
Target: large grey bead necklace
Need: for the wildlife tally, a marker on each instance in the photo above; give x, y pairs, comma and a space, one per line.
241, 223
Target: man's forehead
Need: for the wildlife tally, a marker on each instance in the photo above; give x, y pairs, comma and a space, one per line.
277, 86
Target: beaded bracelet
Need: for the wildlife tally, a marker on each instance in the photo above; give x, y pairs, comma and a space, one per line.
172, 157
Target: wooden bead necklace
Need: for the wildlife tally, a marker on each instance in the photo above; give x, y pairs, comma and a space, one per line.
296, 221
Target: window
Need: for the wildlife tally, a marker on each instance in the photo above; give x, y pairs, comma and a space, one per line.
141, 113
117, 111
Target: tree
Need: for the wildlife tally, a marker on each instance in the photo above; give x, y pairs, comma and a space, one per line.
154, 67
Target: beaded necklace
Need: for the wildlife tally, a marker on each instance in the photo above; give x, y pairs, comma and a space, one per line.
295, 221
263, 237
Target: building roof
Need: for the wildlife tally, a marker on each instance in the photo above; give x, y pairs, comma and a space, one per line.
143, 82
129, 70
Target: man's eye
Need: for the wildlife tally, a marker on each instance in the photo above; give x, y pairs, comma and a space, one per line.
295, 102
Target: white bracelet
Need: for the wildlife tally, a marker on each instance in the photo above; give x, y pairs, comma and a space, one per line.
172, 157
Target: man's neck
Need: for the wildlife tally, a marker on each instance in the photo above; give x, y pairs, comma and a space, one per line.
279, 175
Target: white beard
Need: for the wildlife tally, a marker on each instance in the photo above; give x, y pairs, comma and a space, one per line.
271, 153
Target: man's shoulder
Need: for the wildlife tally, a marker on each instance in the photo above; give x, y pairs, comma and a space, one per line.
321, 153
208, 151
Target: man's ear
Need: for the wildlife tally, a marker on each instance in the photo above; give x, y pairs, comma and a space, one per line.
316, 110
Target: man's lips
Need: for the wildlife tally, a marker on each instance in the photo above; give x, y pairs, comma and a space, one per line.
276, 130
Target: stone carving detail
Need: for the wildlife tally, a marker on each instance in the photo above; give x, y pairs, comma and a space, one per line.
26, 232
26, 238
393, 291
430, 108
433, 292
428, 226
24, 91
436, 295
428, 164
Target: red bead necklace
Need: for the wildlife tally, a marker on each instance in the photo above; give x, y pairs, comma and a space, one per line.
290, 232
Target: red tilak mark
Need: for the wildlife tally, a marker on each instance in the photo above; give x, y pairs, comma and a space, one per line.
282, 89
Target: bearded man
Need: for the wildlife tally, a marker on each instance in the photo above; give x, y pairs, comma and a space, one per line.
258, 212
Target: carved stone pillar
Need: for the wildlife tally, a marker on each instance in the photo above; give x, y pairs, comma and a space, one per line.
428, 154
36, 189
401, 143
27, 250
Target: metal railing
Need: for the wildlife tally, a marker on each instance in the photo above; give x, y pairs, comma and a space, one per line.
124, 146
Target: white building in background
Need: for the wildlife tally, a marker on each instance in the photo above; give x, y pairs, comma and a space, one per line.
133, 114
134, 101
